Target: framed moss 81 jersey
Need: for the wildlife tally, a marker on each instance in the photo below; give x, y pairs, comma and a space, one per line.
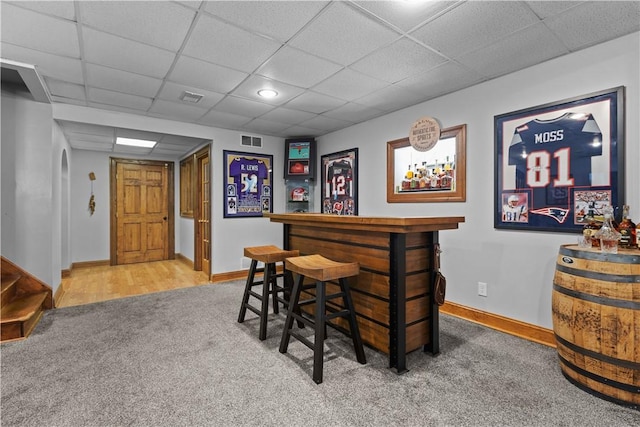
559, 164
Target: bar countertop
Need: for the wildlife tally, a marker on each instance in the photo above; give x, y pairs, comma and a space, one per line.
408, 224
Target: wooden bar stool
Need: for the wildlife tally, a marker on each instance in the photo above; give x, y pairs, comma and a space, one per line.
269, 255
321, 270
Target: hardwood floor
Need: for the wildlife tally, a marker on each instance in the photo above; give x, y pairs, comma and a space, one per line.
87, 285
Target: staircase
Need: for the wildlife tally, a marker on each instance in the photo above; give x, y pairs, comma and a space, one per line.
23, 301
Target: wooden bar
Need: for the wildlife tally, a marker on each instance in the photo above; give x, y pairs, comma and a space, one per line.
393, 292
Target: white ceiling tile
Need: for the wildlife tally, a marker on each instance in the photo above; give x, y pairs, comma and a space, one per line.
109, 97
354, 113
179, 111
266, 126
122, 81
44, 33
446, 78
325, 123
138, 134
301, 131
223, 120
506, 56
133, 68
63, 100
398, 61
349, 85
242, 107
174, 91
82, 145
221, 43
298, 68
545, 9
166, 27
111, 107
590, 22
406, 14
86, 128
55, 66
97, 139
122, 54
62, 9
250, 87
286, 115
65, 90
390, 98
473, 25
200, 74
343, 35
314, 102
277, 19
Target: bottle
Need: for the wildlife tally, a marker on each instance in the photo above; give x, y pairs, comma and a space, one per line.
627, 230
607, 234
589, 229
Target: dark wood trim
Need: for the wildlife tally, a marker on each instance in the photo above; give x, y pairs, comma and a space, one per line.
197, 251
500, 323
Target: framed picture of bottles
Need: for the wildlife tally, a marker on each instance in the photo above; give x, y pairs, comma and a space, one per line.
436, 175
339, 186
560, 165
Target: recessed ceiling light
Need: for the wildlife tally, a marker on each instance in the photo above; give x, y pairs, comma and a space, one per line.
267, 93
136, 142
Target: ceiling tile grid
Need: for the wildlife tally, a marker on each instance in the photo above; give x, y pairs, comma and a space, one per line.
333, 63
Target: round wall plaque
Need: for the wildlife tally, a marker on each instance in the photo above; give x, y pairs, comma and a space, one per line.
424, 134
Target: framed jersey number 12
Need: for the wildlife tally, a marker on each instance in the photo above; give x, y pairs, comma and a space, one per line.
560, 164
339, 184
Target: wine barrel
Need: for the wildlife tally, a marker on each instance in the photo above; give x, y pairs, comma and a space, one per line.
596, 321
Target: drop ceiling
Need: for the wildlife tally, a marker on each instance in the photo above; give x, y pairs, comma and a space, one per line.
333, 63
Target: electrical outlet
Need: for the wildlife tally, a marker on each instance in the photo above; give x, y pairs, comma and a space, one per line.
482, 289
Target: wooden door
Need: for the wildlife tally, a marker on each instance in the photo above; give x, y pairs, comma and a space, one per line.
203, 227
142, 214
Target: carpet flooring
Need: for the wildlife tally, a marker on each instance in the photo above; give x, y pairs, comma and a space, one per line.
179, 358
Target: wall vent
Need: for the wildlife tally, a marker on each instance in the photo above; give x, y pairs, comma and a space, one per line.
251, 141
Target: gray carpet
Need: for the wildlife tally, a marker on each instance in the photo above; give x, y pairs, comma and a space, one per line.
179, 358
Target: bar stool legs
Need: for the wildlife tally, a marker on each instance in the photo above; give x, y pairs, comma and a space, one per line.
269, 255
320, 317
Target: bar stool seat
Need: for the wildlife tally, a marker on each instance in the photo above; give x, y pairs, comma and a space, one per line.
269, 255
322, 270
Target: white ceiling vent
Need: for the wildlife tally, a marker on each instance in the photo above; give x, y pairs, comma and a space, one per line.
191, 97
251, 141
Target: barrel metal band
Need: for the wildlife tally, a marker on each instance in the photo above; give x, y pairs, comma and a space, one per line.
618, 278
612, 302
599, 356
606, 381
621, 258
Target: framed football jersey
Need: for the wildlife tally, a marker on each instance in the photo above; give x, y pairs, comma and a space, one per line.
559, 164
248, 184
339, 186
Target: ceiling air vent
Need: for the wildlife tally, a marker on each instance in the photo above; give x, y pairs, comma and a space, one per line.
251, 141
191, 97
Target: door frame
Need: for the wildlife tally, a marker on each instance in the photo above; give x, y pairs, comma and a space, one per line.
113, 207
197, 253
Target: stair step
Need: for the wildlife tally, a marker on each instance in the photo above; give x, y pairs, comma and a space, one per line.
8, 289
22, 309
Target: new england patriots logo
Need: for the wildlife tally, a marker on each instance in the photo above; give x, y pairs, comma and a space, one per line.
558, 214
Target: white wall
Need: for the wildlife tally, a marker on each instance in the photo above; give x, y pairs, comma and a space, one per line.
27, 171
517, 266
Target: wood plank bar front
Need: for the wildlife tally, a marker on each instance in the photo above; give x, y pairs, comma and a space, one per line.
393, 292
